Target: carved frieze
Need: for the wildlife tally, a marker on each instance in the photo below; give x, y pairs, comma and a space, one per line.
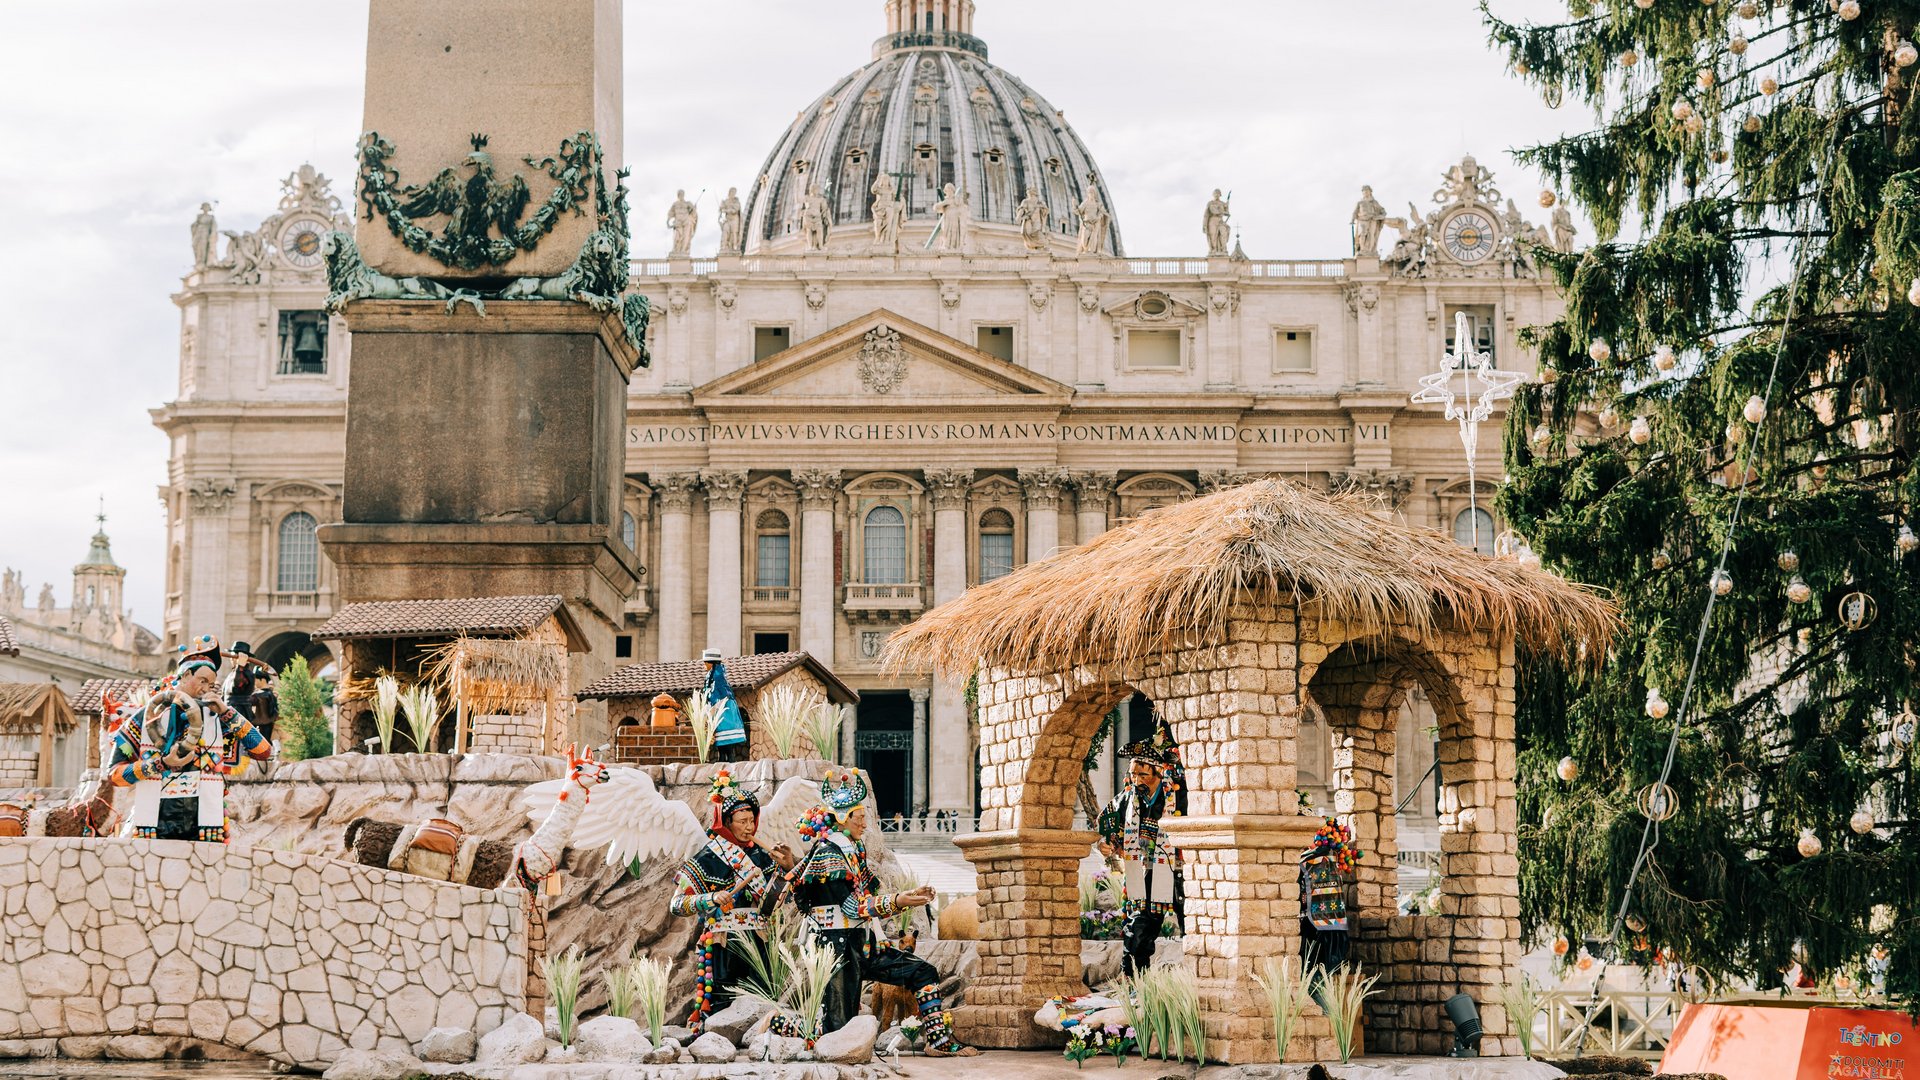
883, 360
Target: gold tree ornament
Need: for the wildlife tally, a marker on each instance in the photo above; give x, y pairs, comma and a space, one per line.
1682, 109
1904, 54
1749, 10
1913, 292
1810, 844
1657, 706
1663, 358
1722, 583
1755, 410
1858, 610
1568, 769
1788, 560
1658, 802
1798, 590
1769, 86
1694, 124
1750, 124
1704, 80
1548, 198
1607, 417
1861, 822
1629, 58
1600, 351
1737, 46
1905, 541
1643, 4
1661, 560
1640, 431
1849, 9
1636, 924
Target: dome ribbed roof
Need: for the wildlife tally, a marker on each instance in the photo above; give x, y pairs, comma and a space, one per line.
930, 110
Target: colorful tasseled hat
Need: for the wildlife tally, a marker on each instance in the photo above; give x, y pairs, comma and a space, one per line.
727, 797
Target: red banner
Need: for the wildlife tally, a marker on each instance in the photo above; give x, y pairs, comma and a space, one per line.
1859, 1044
1794, 1040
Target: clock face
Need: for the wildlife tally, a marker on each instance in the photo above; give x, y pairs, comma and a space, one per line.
1469, 236
300, 242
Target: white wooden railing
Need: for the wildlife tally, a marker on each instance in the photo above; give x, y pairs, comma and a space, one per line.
1629, 1023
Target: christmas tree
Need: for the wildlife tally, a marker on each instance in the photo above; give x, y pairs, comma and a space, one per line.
1722, 436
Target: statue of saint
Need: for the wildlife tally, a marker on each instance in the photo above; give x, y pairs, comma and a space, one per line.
1368, 217
1093, 223
888, 212
205, 244
1411, 249
1219, 234
682, 218
246, 253
954, 213
813, 214
1031, 214
733, 224
1562, 228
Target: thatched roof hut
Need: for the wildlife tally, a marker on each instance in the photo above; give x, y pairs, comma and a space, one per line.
32, 715
1176, 572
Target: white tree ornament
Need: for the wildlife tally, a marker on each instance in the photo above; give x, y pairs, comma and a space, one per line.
1467, 386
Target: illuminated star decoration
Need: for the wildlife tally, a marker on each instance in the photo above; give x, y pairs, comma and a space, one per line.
1468, 385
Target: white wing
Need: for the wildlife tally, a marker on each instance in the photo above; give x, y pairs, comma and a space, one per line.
780, 818
627, 815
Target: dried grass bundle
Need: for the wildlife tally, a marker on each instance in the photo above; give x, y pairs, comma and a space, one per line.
563, 982
619, 982
704, 719
386, 700
823, 726
1343, 991
1286, 987
650, 978
1174, 574
491, 676
423, 715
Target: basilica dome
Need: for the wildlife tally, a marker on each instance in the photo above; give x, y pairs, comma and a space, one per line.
929, 110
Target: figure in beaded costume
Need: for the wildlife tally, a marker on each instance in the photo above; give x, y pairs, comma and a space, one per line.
1129, 830
178, 753
1326, 877
721, 884
835, 888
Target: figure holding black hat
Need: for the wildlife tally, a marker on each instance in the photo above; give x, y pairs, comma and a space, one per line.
1130, 830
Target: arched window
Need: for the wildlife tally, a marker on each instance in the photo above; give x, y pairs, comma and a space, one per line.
299, 568
773, 550
1464, 525
629, 531
996, 545
885, 546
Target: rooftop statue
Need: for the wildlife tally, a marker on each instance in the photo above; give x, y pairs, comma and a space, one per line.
1368, 218
888, 213
1214, 224
733, 224
812, 217
955, 212
1032, 215
1093, 222
683, 218
204, 234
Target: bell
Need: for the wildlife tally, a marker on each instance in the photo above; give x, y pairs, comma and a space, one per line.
306, 346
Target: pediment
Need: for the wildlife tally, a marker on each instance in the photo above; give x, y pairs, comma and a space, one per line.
881, 358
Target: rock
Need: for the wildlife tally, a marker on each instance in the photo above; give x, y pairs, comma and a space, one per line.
733, 1022
712, 1048
373, 1065
1100, 961
564, 1055
677, 1033
519, 1041
852, 1044
138, 1047
449, 1046
612, 1038
667, 1052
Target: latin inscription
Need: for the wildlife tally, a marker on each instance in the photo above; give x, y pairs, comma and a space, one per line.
989, 431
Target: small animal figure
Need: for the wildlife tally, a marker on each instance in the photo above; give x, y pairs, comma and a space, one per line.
892, 1004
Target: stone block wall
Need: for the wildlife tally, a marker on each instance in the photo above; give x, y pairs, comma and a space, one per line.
1234, 701
507, 735
286, 955
19, 768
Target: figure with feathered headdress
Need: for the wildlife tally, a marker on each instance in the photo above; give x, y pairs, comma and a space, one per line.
835, 887
723, 885
1129, 830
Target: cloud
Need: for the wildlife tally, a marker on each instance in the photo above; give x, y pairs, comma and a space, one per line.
123, 116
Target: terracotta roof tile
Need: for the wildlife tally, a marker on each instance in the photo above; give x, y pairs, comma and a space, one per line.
9, 644
686, 676
123, 690
407, 618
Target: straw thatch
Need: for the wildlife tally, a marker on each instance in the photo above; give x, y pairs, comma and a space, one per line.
496, 675
1176, 572
23, 708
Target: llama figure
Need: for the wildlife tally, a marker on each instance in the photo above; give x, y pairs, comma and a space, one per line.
539, 855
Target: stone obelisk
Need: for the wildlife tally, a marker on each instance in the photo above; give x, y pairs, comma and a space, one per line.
486, 400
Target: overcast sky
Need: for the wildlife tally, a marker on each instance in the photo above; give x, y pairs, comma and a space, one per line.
120, 118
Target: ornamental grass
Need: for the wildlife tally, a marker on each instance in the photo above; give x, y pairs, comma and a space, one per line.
769, 956
1522, 1001
649, 978
423, 715
782, 712
1344, 992
619, 982
563, 983
703, 718
1285, 982
813, 968
823, 726
386, 702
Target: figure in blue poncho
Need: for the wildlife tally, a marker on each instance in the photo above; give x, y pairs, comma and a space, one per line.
730, 731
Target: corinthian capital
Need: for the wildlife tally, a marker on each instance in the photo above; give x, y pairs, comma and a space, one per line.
818, 487
947, 488
1095, 488
675, 490
1043, 487
725, 488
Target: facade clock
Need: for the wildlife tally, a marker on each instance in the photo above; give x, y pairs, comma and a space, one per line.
1469, 236
300, 241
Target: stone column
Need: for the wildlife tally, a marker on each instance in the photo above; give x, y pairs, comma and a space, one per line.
1095, 491
819, 493
205, 607
950, 745
848, 730
1030, 940
724, 492
675, 581
1042, 488
919, 694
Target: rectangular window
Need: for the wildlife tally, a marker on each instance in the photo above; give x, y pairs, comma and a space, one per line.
773, 568
996, 556
768, 340
303, 343
1480, 318
623, 646
996, 341
1292, 350
771, 643
1153, 348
